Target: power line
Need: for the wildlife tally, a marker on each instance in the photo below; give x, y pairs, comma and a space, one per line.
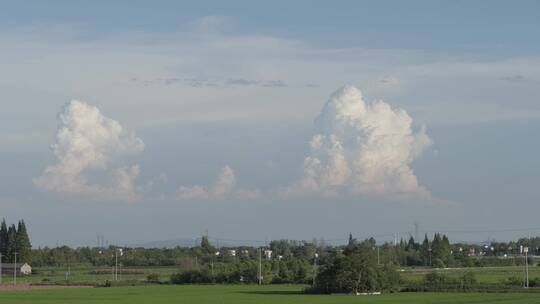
488, 231
393, 236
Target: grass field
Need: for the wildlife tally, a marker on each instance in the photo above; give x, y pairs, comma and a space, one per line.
482, 274
86, 274
243, 294
239, 294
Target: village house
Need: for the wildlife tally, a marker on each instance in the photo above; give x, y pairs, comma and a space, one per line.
7, 268
268, 254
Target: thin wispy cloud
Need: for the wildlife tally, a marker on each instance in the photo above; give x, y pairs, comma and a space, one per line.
517, 79
186, 71
212, 82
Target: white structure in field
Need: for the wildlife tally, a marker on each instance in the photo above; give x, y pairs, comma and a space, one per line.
21, 268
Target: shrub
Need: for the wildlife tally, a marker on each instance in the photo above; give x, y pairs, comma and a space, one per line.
438, 263
513, 281
468, 279
280, 280
435, 279
152, 277
192, 277
534, 282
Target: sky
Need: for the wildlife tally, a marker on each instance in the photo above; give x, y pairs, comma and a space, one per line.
159, 120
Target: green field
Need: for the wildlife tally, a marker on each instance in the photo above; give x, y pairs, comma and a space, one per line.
243, 294
85, 274
239, 294
482, 274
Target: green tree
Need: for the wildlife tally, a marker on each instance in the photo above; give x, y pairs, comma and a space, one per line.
11, 246
440, 250
208, 251
357, 271
425, 251
3, 238
352, 245
412, 245
23, 245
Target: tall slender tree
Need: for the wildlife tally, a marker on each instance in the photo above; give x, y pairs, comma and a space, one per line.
425, 251
3, 237
352, 245
411, 244
11, 243
23, 245
206, 247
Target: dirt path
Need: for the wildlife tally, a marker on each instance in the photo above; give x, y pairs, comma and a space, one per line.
28, 287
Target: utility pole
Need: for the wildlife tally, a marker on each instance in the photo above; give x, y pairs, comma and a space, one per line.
116, 264
260, 266
378, 256
68, 269
315, 267
526, 250
15, 269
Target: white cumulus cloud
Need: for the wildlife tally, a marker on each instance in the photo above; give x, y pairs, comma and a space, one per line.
362, 148
86, 142
224, 187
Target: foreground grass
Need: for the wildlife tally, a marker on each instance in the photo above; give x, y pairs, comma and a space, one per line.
242, 294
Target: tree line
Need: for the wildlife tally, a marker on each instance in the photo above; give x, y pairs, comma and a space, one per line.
291, 257
290, 261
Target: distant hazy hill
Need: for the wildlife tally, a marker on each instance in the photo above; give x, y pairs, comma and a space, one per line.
167, 243
179, 242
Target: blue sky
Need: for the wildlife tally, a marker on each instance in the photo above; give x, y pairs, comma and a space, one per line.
439, 25
218, 115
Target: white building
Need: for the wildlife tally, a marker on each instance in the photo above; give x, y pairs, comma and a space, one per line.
21, 268
268, 254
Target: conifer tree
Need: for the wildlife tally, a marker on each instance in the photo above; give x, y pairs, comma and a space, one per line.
351, 245
411, 245
24, 247
11, 246
3, 238
425, 250
206, 247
